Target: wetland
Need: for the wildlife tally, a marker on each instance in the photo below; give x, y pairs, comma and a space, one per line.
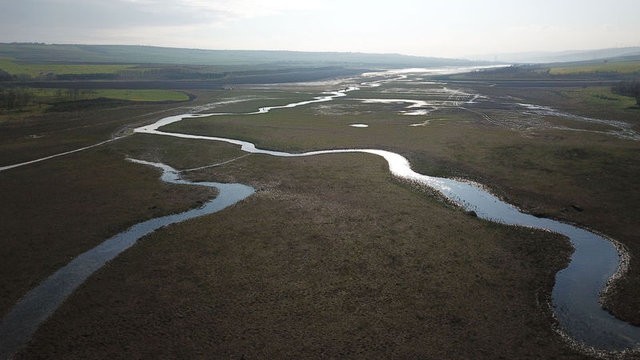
335, 252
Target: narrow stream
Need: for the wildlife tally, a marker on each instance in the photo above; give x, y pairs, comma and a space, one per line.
37, 305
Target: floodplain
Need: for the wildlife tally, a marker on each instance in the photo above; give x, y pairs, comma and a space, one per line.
333, 256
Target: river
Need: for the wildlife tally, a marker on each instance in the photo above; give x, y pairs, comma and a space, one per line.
577, 289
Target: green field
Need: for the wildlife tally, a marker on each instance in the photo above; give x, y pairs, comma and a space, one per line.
21, 102
141, 95
36, 70
118, 94
601, 97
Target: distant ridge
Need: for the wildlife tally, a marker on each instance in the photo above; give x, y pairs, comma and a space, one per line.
133, 54
563, 56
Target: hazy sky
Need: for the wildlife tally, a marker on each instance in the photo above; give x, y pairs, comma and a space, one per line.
452, 28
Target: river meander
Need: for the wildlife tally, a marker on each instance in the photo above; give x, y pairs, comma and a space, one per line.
577, 290
575, 296
576, 293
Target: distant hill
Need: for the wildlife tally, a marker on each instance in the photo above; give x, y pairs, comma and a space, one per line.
564, 56
128, 54
124, 66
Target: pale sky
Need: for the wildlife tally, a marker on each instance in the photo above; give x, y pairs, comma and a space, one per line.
453, 28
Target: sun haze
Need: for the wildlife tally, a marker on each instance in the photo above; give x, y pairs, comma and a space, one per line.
460, 28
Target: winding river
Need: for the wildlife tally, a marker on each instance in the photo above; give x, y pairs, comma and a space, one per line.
575, 296
577, 289
37, 305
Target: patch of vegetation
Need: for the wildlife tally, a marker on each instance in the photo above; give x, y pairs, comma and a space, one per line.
513, 72
51, 71
590, 100
630, 89
564, 72
33, 132
140, 95
604, 97
15, 98
23, 98
624, 67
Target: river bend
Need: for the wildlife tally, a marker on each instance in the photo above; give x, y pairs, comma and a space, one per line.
577, 289
575, 296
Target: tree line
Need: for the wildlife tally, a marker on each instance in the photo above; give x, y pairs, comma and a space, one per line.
15, 98
628, 88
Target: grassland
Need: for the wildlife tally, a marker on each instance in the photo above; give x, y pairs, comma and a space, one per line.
25, 137
58, 95
113, 74
140, 95
602, 97
545, 170
39, 70
332, 257
623, 67
591, 101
